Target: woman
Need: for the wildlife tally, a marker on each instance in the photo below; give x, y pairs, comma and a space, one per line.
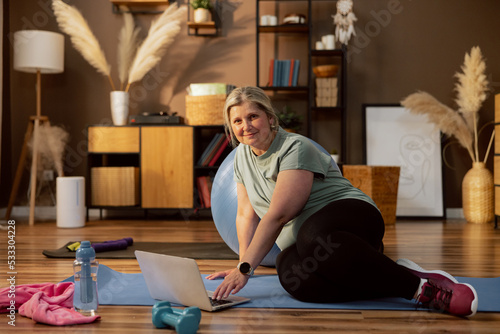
329, 232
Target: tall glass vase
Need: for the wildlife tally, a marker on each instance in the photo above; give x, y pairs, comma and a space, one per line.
478, 194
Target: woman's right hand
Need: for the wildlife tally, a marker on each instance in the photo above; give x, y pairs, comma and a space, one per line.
220, 274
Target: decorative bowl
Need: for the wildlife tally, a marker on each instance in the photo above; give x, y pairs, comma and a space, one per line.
325, 71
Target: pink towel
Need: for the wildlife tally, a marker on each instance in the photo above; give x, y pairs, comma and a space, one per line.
46, 303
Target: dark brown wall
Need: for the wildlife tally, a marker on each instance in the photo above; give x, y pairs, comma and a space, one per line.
420, 46
401, 46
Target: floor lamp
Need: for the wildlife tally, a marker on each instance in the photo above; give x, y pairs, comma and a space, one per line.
37, 52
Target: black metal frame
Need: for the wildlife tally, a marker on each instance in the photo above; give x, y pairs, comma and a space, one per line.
309, 89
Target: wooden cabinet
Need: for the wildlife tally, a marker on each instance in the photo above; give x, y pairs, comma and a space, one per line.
162, 155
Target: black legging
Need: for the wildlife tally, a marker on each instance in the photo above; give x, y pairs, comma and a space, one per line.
336, 257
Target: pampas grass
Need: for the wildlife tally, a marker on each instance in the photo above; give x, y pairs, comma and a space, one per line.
52, 141
133, 63
445, 118
128, 40
161, 34
471, 91
71, 21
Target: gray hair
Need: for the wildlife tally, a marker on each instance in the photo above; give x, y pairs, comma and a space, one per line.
253, 95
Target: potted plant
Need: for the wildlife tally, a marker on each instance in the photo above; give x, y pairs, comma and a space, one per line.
289, 119
201, 10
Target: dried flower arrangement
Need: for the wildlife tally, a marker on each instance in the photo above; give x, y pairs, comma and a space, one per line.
52, 141
472, 87
135, 59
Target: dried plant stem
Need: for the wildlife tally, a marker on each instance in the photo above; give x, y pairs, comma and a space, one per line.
476, 147
111, 82
489, 146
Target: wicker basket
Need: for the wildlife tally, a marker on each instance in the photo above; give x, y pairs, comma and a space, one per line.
378, 182
478, 195
205, 110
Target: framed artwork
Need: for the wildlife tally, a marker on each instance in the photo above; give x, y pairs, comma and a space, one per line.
395, 137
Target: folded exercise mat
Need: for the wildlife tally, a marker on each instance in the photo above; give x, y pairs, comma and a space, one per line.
117, 288
199, 250
112, 245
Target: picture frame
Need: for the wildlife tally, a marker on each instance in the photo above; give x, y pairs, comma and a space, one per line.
395, 137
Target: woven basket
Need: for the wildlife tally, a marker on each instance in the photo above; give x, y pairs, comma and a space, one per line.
478, 194
378, 182
205, 110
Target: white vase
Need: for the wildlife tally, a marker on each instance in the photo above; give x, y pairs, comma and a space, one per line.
201, 15
335, 158
119, 107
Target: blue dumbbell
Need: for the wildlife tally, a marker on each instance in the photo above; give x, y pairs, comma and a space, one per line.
188, 310
184, 321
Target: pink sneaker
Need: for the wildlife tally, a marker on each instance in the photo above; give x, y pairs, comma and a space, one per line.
460, 300
442, 291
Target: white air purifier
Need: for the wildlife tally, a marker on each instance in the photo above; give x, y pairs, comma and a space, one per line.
70, 201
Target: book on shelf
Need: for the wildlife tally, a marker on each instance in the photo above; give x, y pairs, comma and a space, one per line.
295, 75
290, 77
215, 149
207, 150
221, 149
204, 185
271, 73
283, 73
212, 150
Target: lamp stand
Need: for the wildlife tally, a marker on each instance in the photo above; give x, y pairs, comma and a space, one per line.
33, 129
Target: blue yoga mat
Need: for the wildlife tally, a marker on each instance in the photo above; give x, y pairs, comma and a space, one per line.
265, 291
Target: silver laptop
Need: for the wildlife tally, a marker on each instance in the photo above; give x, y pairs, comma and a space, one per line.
178, 280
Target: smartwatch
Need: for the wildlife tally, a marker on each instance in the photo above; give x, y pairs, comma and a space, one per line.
245, 268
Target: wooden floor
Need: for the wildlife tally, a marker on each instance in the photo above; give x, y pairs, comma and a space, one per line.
455, 246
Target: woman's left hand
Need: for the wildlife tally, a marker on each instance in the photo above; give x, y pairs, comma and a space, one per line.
232, 283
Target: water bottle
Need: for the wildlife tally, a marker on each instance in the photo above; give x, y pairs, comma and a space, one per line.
85, 269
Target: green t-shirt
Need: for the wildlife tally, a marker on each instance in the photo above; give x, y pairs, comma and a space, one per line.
291, 151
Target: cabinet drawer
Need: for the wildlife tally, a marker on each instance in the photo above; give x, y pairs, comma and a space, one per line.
106, 139
115, 186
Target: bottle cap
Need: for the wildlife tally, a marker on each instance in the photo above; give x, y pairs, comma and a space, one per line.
85, 251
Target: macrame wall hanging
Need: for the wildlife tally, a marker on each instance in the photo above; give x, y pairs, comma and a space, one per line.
344, 21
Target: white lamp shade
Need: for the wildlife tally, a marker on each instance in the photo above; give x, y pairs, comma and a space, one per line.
38, 50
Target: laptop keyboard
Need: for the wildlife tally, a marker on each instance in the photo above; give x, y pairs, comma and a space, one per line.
216, 302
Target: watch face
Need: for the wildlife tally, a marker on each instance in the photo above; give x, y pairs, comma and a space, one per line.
245, 268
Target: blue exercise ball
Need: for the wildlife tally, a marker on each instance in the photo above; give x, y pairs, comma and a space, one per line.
224, 204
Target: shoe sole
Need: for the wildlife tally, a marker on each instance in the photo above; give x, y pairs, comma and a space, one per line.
422, 273
474, 302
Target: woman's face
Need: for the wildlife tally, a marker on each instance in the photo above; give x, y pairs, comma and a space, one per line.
252, 127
